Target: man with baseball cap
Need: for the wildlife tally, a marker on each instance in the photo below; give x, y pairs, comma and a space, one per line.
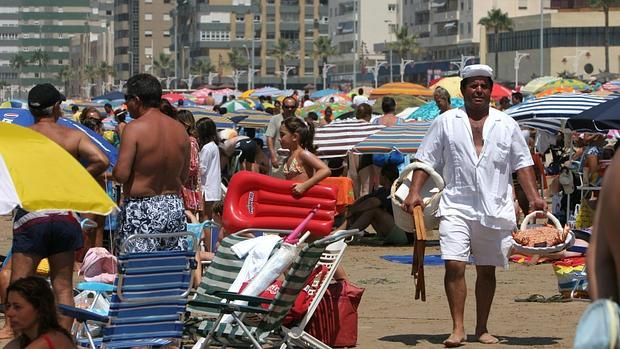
476, 208
53, 234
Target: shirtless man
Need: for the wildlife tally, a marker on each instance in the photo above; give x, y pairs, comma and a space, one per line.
53, 234
153, 164
476, 148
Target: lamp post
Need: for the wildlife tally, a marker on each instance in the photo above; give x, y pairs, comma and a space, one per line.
251, 73
169, 80
403, 65
461, 64
211, 77
130, 53
235, 76
190, 80
287, 69
375, 70
247, 54
389, 46
518, 57
326, 68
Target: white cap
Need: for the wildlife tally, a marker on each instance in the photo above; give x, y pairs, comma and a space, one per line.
477, 70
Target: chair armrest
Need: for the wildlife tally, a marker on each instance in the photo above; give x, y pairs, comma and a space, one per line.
81, 315
252, 300
228, 308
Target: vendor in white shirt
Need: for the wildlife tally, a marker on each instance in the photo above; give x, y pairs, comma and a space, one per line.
476, 148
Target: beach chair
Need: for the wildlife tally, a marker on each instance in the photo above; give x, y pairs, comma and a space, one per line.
148, 300
268, 330
297, 336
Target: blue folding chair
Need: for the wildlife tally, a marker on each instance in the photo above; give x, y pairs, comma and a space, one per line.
148, 300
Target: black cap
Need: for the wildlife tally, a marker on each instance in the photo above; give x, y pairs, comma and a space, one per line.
44, 95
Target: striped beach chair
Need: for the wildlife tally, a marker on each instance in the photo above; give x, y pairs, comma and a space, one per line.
148, 300
268, 330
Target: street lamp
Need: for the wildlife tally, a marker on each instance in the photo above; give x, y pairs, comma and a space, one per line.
518, 57
461, 64
211, 77
403, 65
326, 68
169, 80
389, 24
287, 69
190, 80
235, 76
251, 73
375, 70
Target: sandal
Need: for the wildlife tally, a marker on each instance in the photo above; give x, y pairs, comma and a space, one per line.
558, 298
535, 298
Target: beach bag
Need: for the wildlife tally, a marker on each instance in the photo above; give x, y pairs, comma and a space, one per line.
335, 320
585, 216
99, 266
394, 157
599, 326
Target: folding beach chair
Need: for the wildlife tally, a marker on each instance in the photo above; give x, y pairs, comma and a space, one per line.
297, 336
148, 300
269, 328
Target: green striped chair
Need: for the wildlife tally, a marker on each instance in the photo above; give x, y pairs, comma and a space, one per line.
268, 330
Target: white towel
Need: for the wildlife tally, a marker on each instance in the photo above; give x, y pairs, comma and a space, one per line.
257, 251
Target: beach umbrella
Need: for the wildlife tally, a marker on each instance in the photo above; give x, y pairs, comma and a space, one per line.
402, 102
110, 96
240, 115
549, 113
65, 184
319, 108
561, 86
405, 138
235, 105
451, 83
173, 97
500, 91
337, 138
337, 98
267, 91
429, 111
254, 120
23, 117
14, 103
323, 93
612, 86
603, 117
401, 88
537, 83
219, 120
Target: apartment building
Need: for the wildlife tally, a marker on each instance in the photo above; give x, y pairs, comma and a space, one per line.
142, 31
209, 30
362, 27
28, 27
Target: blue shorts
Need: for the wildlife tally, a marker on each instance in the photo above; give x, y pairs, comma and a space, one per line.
46, 233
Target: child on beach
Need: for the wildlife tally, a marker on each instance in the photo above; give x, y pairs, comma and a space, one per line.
301, 165
210, 173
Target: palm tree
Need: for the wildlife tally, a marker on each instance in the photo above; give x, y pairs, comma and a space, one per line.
404, 43
605, 5
237, 59
281, 51
65, 74
324, 49
91, 72
18, 62
201, 67
498, 21
40, 58
105, 70
164, 64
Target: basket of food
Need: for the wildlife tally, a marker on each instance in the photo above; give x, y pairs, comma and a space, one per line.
542, 238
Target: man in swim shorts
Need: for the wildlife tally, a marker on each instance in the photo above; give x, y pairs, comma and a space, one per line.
477, 149
53, 234
153, 163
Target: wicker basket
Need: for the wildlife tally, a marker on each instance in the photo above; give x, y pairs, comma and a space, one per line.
431, 194
527, 250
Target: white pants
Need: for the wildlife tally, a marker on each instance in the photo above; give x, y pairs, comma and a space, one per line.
459, 238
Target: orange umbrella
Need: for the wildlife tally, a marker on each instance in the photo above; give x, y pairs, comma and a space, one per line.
401, 88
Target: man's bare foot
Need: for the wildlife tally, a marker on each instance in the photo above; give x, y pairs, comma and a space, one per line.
455, 340
486, 338
6, 333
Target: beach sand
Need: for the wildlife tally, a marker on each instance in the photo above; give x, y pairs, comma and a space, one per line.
389, 317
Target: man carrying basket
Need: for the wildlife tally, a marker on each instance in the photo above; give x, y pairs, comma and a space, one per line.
476, 148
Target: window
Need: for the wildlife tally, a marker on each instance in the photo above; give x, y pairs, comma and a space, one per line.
239, 18
148, 51
166, 33
148, 1
166, 1
240, 36
148, 16
60, 10
256, 18
392, 7
522, 4
166, 17
148, 33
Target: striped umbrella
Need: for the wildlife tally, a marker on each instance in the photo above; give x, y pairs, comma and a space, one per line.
405, 138
240, 115
256, 121
220, 121
550, 113
613, 86
337, 109
337, 138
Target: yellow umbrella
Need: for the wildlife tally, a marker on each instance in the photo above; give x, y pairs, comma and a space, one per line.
37, 174
247, 93
452, 84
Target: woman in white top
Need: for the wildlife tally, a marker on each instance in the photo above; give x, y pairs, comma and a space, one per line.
210, 173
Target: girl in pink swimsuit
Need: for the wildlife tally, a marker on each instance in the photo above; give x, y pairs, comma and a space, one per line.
302, 165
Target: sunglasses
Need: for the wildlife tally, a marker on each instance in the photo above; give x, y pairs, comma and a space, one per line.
129, 97
289, 107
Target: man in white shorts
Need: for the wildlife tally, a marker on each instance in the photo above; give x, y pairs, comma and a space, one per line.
476, 148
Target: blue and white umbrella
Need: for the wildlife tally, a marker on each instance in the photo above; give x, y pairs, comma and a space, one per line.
550, 113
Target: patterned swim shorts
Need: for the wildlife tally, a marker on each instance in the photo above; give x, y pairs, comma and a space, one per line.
152, 215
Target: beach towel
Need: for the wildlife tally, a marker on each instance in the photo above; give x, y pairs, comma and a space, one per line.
408, 259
